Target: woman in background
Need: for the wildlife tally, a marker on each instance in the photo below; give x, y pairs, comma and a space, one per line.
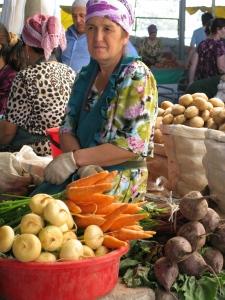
40, 92
150, 47
11, 60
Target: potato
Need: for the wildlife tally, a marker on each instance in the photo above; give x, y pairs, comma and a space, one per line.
165, 104
216, 102
200, 103
210, 123
158, 122
222, 127
222, 114
179, 119
202, 95
205, 114
177, 109
185, 100
168, 119
160, 111
191, 112
167, 111
158, 136
210, 106
197, 122
215, 111
216, 117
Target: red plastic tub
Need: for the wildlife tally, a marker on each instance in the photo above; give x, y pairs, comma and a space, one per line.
53, 134
87, 279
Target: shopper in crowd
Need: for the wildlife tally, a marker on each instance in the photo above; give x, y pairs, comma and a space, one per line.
11, 61
208, 62
112, 109
198, 35
150, 47
39, 92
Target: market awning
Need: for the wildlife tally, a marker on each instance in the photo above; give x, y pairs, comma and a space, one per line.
219, 11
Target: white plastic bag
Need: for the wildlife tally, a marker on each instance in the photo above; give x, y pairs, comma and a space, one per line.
32, 164
214, 163
185, 149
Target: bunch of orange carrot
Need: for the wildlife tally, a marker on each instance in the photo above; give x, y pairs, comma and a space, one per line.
90, 205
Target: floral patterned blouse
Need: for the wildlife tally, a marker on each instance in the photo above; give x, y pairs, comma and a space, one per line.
128, 123
208, 52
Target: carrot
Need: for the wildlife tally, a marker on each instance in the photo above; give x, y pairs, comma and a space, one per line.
83, 221
109, 178
125, 234
89, 180
110, 219
79, 194
112, 242
131, 209
101, 200
134, 227
73, 208
126, 220
89, 208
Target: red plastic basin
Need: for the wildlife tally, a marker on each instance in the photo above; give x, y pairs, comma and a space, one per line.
53, 133
79, 280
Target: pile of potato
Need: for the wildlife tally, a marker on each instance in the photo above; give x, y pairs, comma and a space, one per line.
194, 110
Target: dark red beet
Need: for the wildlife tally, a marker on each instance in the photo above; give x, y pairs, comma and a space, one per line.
195, 233
166, 272
214, 258
194, 265
177, 248
217, 239
211, 220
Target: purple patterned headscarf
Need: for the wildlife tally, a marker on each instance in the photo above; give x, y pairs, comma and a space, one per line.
118, 11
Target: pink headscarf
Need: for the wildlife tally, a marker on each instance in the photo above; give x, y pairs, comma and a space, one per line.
44, 32
118, 11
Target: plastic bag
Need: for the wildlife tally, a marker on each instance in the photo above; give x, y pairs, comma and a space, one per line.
21, 169
32, 164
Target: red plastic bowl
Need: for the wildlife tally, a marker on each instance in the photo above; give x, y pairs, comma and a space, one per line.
53, 133
86, 279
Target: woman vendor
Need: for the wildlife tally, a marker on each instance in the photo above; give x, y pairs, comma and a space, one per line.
40, 92
112, 110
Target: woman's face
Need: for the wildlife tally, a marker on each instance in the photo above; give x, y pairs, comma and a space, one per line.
222, 33
106, 40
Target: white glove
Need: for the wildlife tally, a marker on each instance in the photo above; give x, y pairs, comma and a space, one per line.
60, 168
89, 170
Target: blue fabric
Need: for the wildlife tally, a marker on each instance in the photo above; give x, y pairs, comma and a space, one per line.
76, 54
198, 36
131, 50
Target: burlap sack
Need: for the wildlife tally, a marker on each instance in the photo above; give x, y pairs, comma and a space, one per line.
214, 163
185, 149
158, 164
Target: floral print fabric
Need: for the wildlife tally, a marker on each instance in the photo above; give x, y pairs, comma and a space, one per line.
128, 124
208, 51
150, 52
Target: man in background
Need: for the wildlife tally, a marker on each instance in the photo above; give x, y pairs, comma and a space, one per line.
76, 54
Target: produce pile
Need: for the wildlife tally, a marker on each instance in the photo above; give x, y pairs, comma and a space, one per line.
87, 223
194, 110
193, 257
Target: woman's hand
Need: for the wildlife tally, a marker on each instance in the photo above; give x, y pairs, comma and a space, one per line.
60, 168
89, 170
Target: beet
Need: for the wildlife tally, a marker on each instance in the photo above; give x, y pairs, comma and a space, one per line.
166, 272
211, 220
194, 232
193, 206
194, 265
214, 258
161, 294
217, 239
177, 248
